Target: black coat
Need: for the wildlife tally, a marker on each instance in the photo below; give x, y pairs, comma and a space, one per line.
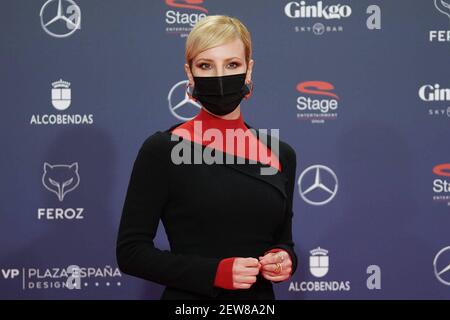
209, 212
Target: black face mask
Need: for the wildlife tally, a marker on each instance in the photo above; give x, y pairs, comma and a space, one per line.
220, 95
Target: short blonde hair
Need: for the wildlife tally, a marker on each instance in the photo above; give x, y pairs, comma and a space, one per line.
216, 30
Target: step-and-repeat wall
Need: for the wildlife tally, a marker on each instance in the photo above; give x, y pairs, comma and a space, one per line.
360, 89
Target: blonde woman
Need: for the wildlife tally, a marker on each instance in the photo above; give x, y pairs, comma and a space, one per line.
228, 225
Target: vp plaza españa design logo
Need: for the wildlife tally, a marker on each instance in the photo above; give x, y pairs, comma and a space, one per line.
317, 185
175, 108
55, 26
441, 266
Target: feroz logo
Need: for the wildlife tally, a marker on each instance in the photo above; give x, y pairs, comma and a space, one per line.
319, 262
442, 7
317, 185
441, 266
441, 184
60, 178
175, 108
60, 25
61, 94
183, 15
317, 101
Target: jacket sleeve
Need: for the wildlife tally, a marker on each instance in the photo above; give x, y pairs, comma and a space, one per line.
147, 194
284, 235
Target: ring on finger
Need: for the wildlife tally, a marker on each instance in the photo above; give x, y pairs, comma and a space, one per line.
278, 268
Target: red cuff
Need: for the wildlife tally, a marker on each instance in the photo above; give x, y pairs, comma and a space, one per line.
224, 274
274, 250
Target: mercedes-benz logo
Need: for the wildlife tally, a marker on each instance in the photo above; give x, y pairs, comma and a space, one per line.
441, 266
72, 23
323, 188
173, 107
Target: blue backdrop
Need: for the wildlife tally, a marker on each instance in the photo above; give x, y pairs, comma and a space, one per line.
360, 89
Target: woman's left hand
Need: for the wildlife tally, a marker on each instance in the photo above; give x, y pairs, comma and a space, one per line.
276, 266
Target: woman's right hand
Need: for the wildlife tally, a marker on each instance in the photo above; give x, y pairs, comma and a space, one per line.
245, 271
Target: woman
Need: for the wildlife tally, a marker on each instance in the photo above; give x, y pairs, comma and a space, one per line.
228, 225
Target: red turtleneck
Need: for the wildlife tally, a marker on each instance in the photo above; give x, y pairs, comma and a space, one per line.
194, 130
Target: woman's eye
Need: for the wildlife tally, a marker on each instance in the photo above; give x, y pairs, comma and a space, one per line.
203, 66
207, 66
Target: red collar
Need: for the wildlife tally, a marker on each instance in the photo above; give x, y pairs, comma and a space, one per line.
195, 128
211, 121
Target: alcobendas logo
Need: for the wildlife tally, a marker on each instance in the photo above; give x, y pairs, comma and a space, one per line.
61, 100
319, 267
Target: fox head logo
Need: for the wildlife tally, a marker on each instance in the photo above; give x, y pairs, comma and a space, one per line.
60, 178
443, 7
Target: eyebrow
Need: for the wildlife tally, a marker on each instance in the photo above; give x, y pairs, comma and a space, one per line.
210, 60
